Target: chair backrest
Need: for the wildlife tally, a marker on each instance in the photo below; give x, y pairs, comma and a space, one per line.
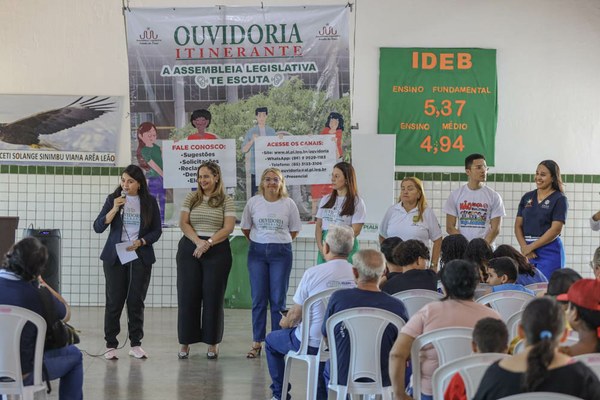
592, 360
449, 343
570, 340
512, 325
540, 396
12, 322
317, 300
506, 302
365, 326
538, 287
415, 299
471, 369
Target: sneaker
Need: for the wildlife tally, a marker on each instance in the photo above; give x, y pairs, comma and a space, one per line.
138, 352
111, 354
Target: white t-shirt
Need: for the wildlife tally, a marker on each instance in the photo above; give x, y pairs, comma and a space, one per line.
332, 274
331, 216
405, 224
474, 209
132, 217
271, 222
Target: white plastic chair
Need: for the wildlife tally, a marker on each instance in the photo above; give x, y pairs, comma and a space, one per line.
540, 396
449, 343
512, 325
318, 300
592, 360
471, 369
415, 299
538, 287
506, 302
571, 339
365, 327
12, 321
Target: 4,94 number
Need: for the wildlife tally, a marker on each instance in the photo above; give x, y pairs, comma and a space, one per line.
444, 144
447, 108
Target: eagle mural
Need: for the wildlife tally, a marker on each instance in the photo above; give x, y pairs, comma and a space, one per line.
27, 131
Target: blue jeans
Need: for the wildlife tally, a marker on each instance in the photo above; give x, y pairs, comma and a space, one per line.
278, 343
65, 364
269, 267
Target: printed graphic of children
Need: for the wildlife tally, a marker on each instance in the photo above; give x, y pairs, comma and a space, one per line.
260, 129
149, 156
200, 120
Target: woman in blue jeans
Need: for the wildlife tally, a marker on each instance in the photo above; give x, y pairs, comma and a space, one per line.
20, 283
270, 221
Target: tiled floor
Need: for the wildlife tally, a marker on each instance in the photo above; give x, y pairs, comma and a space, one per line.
163, 375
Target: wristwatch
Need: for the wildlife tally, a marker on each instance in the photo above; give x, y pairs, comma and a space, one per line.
210, 242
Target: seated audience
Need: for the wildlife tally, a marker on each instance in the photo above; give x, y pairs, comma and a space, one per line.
20, 285
453, 248
457, 309
583, 315
367, 268
387, 247
528, 273
479, 252
502, 275
489, 336
413, 257
540, 367
336, 272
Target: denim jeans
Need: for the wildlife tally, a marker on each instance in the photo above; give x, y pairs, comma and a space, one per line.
278, 343
269, 267
65, 364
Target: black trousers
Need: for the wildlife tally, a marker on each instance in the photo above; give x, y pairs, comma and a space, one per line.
125, 283
201, 284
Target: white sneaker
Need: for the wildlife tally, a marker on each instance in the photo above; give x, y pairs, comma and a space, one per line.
138, 352
111, 354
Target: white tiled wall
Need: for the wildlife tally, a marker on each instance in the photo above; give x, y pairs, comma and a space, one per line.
71, 203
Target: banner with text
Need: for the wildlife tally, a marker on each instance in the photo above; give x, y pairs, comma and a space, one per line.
182, 159
442, 104
236, 73
301, 159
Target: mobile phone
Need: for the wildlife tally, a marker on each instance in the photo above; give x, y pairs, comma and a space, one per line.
283, 313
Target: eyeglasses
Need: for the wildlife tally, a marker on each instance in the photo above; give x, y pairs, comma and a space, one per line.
274, 180
480, 168
593, 266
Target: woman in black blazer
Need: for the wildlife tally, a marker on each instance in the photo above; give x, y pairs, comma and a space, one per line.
133, 216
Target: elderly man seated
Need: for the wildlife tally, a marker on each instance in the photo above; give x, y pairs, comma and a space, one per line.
336, 272
368, 266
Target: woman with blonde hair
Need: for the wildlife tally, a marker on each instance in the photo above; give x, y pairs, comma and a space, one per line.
204, 261
411, 218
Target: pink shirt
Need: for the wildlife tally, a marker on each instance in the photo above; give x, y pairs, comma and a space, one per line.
442, 314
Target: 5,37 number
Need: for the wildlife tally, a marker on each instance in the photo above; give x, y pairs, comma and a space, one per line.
444, 144
446, 109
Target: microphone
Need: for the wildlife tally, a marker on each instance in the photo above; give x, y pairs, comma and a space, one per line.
122, 208
123, 193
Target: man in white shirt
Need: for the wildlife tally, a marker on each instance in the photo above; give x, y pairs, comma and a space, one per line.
474, 210
595, 221
336, 272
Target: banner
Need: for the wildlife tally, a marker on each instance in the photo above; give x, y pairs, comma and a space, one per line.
236, 73
59, 130
441, 104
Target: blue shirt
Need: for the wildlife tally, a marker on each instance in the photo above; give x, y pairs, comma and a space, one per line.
512, 286
537, 218
526, 279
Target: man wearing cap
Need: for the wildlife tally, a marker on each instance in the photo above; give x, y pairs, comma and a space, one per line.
583, 315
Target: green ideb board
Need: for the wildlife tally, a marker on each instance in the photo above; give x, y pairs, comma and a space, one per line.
441, 104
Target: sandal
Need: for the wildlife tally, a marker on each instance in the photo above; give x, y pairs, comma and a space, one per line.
212, 352
254, 351
184, 355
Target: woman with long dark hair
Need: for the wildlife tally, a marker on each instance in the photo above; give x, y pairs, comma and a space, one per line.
133, 217
541, 367
540, 218
342, 206
528, 273
204, 261
479, 252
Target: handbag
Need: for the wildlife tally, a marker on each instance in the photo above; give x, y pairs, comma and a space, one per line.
58, 333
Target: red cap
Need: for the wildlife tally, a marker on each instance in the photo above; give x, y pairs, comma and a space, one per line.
584, 293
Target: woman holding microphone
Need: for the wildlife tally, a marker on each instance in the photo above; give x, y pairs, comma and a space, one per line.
270, 221
204, 261
133, 216
540, 218
342, 207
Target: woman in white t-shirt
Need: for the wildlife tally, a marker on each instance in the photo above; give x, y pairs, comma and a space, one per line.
411, 218
341, 207
270, 221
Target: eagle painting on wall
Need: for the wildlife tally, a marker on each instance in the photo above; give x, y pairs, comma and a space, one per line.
65, 123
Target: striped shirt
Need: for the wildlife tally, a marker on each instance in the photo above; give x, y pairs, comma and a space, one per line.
207, 220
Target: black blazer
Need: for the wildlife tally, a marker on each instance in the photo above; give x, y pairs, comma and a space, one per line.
150, 234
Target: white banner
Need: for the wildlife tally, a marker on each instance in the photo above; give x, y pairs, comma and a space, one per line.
50, 157
302, 159
182, 158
